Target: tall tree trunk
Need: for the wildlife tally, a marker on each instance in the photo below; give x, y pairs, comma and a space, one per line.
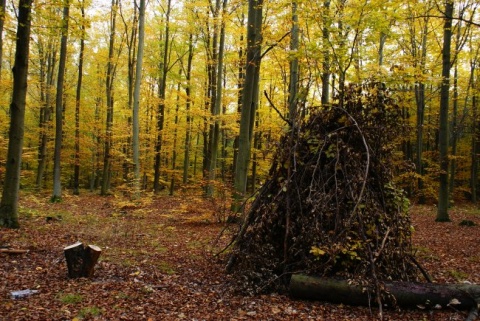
420, 102
240, 81
76, 174
475, 132
216, 108
109, 96
175, 134
57, 177
442, 210
136, 100
188, 93
131, 42
11, 184
455, 127
47, 83
294, 68
210, 90
2, 22
326, 53
249, 98
161, 105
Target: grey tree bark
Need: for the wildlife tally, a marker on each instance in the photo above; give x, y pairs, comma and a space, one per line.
76, 171
186, 156
442, 210
2, 22
136, 99
11, 185
57, 177
161, 106
249, 98
326, 54
131, 33
48, 61
216, 108
294, 68
420, 102
110, 101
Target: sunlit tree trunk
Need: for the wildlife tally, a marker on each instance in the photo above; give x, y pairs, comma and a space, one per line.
136, 99
455, 132
109, 97
161, 105
175, 134
475, 150
240, 80
294, 68
11, 184
216, 108
131, 42
47, 71
420, 102
2, 23
76, 173
57, 177
475, 130
249, 98
211, 45
442, 210
188, 93
326, 54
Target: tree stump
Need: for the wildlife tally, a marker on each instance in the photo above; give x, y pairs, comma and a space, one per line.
81, 259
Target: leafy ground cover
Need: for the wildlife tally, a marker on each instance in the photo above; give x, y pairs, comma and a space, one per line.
158, 263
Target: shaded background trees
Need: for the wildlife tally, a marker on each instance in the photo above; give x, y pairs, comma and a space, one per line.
193, 95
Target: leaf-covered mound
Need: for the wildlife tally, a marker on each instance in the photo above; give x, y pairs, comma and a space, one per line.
329, 207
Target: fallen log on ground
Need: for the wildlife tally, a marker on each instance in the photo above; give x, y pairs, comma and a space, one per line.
407, 294
81, 259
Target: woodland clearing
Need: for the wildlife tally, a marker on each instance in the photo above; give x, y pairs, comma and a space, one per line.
158, 263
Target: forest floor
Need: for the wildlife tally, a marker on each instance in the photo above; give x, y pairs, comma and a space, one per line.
158, 263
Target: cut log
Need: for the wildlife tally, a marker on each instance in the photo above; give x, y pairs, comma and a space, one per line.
81, 260
407, 294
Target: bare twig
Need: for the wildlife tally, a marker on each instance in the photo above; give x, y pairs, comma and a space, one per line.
276, 109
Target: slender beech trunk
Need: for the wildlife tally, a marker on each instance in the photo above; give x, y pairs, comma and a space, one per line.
294, 68
475, 132
47, 82
188, 128
136, 100
455, 126
249, 99
442, 210
76, 172
210, 91
11, 184
110, 75
175, 134
57, 177
420, 102
240, 80
216, 110
326, 53
2, 22
161, 106
131, 42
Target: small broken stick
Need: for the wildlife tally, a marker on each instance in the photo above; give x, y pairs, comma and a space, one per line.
13, 251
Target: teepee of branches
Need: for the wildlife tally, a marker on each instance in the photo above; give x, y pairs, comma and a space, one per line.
330, 207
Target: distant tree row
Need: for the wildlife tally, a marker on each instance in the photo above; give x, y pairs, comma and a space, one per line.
148, 95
